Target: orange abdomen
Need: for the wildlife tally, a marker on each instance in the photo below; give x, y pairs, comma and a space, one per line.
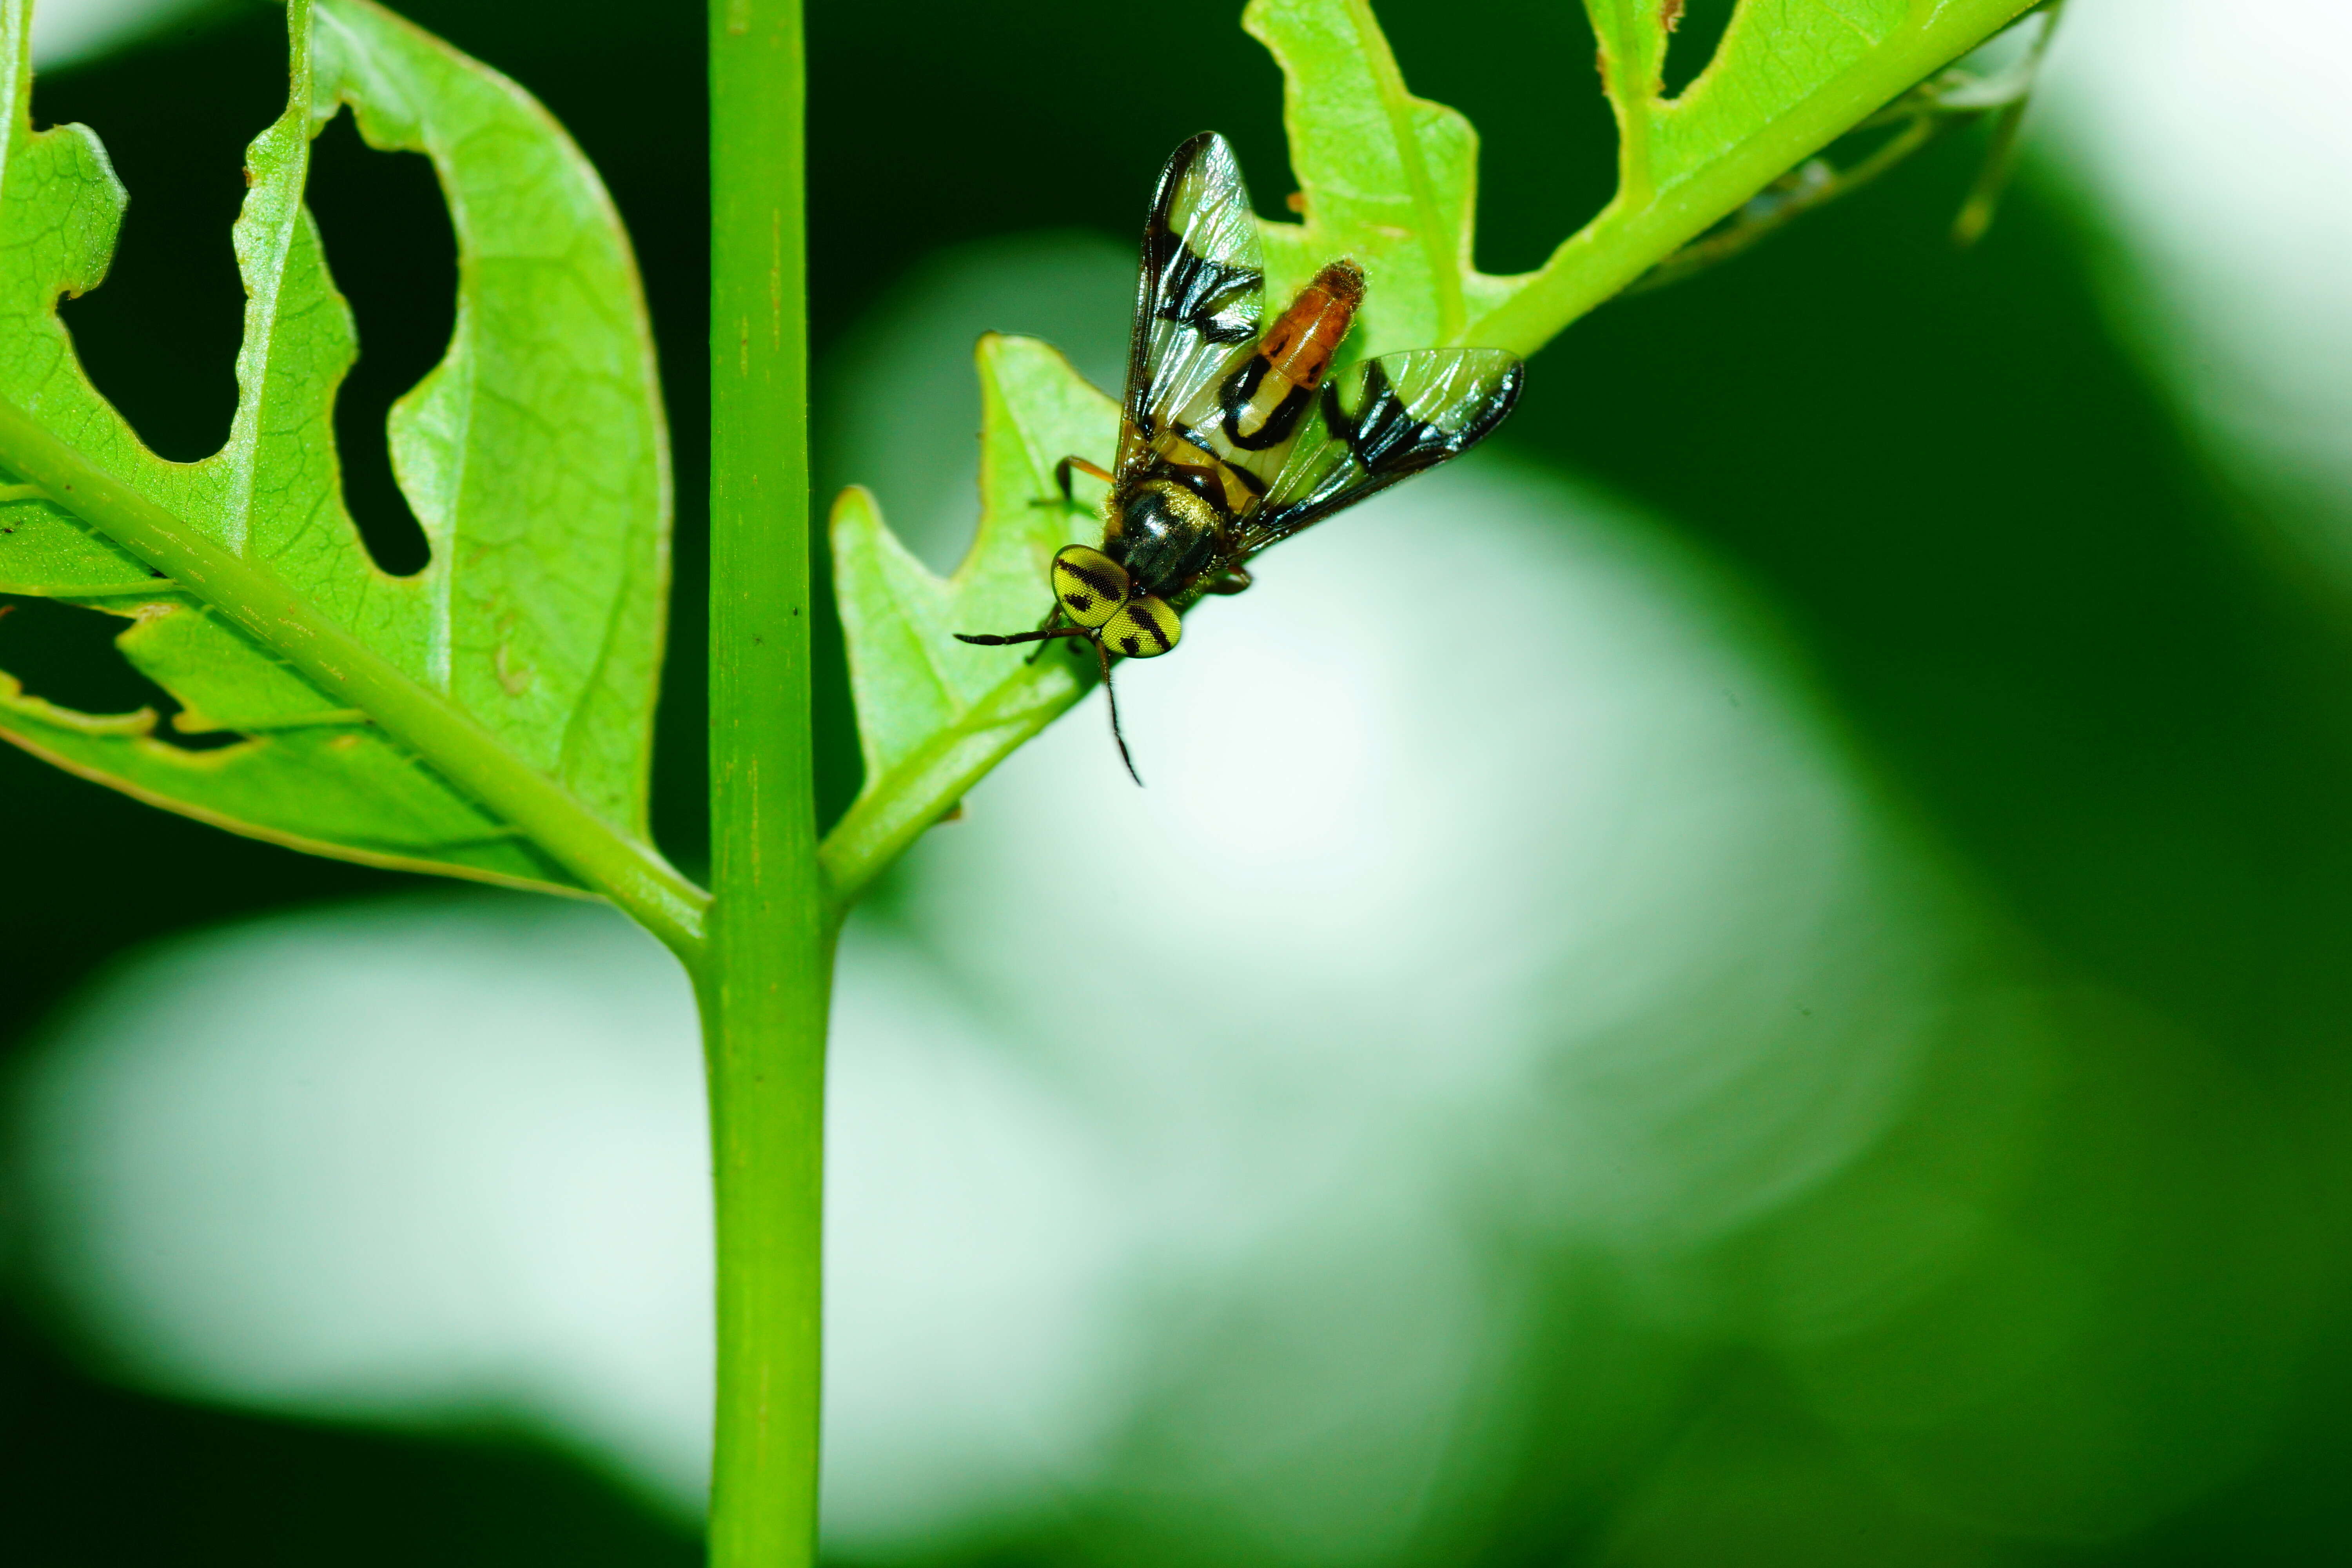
1299, 346
1262, 400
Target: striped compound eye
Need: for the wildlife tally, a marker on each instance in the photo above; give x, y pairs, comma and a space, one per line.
1143, 627
1090, 585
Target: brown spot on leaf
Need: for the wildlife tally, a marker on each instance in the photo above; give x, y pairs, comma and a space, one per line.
1296, 201
513, 680
1671, 14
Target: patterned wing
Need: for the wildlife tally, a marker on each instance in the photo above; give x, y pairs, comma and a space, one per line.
1381, 421
1202, 293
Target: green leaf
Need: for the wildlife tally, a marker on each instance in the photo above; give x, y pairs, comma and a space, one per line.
1383, 176
935, 715
534, 456
1391, 180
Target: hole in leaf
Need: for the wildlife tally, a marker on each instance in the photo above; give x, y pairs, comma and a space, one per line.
395, 257
1521, 70
159, 337
66, 655
1695, 41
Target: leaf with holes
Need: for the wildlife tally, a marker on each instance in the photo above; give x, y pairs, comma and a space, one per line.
1391, 180
533, 455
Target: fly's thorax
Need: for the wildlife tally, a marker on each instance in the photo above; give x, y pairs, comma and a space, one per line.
1163, 531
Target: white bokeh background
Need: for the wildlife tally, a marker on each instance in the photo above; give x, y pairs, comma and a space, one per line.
65, 31
1406, 978
2215, 140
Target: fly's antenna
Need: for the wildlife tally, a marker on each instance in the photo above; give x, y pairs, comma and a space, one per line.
1102, 655
1110, 691
1047, 630
990, 639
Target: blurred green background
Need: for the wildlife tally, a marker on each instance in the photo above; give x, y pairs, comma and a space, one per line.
1882, 1095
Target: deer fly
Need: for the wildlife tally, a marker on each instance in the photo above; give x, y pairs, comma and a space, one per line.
1231, 440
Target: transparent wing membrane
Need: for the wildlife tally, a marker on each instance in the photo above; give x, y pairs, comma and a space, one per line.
1201, 297
1381, 421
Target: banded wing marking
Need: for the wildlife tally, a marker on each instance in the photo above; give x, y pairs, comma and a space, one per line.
1200, 295
1380, 421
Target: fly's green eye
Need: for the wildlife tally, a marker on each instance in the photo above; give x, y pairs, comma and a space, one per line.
1143, 627
1090, 585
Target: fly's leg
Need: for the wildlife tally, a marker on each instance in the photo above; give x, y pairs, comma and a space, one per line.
1062, 480
1062, 473
1044, 631
1227, 575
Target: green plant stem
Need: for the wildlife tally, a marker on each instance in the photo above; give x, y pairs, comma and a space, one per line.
765, 991
1642, 226
624, 869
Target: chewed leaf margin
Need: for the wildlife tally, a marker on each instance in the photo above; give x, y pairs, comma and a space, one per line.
934, 714
1390, 179
541, 613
